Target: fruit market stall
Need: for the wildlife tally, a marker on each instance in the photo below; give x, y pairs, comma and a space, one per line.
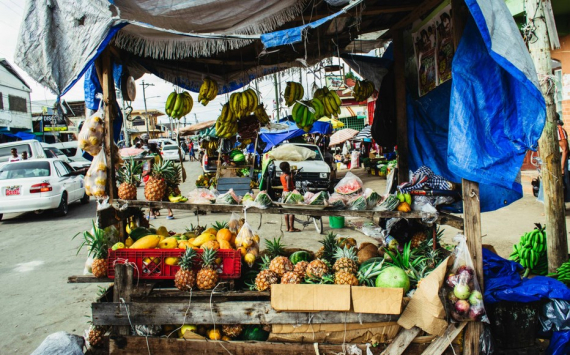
223, 262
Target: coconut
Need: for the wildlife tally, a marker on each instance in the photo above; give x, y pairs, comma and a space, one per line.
368, 252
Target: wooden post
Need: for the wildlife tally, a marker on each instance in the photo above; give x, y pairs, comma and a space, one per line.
122, 291
472, 218
539, 47
401, 117
108, 86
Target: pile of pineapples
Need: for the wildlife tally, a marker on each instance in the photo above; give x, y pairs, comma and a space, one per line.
163, 182
336, 263
98, 244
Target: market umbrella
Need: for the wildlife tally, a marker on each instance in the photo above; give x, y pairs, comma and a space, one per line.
130, 152
342, 136
365, 133
336, 124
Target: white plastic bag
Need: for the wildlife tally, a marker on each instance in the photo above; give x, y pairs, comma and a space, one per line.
96, 177
349, 184
354, 160
233, 223
247, 241
90, 139
202, 196
229, 198
290, 152
462, 291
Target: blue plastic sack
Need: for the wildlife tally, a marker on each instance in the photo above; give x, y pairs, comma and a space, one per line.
559, 343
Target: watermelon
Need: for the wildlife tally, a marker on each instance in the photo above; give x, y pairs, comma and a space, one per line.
393, 277
357, 203
140, 232
300, 255
293, 198
238, 158
319, 199
233, 153
348, 185
255, 332
263, 199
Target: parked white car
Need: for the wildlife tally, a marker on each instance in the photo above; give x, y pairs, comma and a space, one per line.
32, 146
170, 152
73, 153
38, 185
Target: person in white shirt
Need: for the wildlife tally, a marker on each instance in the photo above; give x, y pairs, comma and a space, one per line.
14, 156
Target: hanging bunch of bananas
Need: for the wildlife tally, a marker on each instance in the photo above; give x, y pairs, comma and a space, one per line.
305, 114
330, 101
243, 103
530, 252
261, 114
562, 273
208, 91
178, 105
293, 92
210, 146
227, 123
362, 90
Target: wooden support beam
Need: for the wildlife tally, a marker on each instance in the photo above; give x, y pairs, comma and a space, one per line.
440, 344
472, 220
420, 10
108, 86
401, 342
554, 209
401, 115
122, 293
230, 312
368, 11
459, 17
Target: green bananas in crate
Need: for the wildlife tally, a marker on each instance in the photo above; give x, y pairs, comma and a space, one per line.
562, 273
530, 252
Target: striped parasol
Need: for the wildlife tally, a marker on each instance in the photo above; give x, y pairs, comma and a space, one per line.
364, 134
342, 136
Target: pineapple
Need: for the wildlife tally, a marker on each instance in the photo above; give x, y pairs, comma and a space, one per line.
346, 260
266, 277
155, 187
274, 248
219, 225
316, 269
232, 330
418, 238
185, 278
345, 278
196, 229
207, 276
291, 278
346, 242
328, 248
95, 335
280, 265
98, 245
129, 177
173, 181
300, 268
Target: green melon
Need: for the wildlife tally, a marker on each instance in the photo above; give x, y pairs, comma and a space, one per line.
238, 158
393, 277
300, 256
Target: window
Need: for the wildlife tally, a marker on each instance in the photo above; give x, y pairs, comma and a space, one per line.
17, 103
61, 168
70, 152
48, 153
5, 151
24, 170
1, 101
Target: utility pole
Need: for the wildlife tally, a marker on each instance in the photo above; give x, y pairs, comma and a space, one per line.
276, 95
554, 209
144, 86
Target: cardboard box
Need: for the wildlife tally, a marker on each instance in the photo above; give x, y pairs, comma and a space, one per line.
310, 298
335, 333
377, 300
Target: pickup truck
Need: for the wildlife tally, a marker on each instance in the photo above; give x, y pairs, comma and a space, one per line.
312, 175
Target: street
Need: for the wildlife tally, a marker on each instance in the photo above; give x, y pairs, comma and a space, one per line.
37, 254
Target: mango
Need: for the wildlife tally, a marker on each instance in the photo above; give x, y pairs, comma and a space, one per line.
168, 243
171, 260
147, 242
163, 231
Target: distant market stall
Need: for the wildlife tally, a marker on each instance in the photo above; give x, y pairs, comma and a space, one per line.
225, 51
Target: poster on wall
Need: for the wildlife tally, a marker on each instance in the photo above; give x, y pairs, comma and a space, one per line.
433, 48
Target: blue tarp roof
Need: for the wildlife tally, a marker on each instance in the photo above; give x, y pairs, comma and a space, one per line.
273, 138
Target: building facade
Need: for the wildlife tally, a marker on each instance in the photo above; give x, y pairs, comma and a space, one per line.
15, 104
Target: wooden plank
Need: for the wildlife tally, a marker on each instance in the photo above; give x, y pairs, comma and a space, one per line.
459, 17
402, 341
132, 345
420, 10
368, 11
122, 292
108, 86
81, 279
441, 343
244, 312
472, 217
401, 116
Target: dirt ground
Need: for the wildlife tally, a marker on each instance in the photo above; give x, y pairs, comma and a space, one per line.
37, 254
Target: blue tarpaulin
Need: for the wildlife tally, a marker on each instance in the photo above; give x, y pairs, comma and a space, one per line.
21, 135
273, 138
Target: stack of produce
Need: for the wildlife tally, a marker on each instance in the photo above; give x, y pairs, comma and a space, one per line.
247, 242
173, 180
293, 92
362, 90
225, 332
329, 100
98, 244
243, 103
562, 273
203, 181
129, 177
293, 198
229, 198
156, 188
90, 138
208, 91
530, 252
210, 146
178, 105
405, 204
226, 125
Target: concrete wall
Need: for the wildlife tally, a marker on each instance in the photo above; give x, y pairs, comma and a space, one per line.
563, 55
10, 85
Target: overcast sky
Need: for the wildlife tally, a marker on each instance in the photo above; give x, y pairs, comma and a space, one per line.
13, 12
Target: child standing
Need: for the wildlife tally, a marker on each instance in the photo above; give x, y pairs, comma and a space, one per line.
288, 186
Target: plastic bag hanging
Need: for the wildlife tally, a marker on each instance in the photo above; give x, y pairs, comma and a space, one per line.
90, 139
247, 242
96, 177
462, 291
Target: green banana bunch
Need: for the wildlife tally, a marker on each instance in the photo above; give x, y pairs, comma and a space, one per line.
226, 124
208, 91
178, 105
293, 92
261, 114
562, 273
303, 116
362, 90
329, 100
530, 252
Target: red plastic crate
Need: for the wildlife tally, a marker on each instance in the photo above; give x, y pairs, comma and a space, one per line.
230, 267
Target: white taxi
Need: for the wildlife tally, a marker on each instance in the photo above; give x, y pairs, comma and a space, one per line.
38, 185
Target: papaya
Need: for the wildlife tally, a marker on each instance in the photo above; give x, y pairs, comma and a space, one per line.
203, 238
171, 260
168, 243
147, 242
